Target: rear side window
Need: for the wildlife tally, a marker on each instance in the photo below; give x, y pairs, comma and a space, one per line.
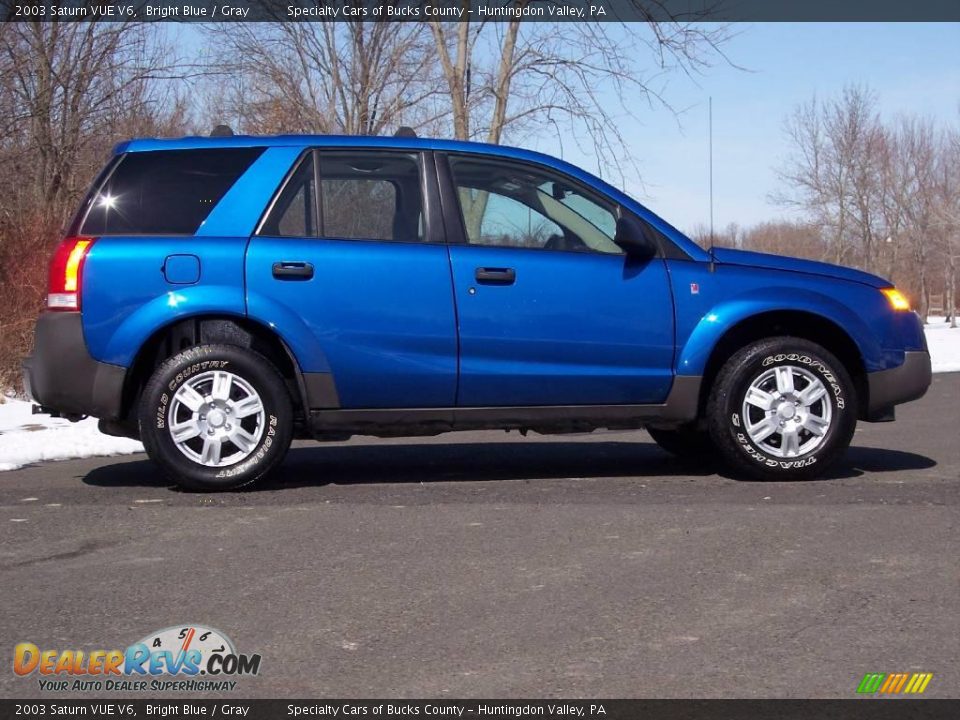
364, 195
362, 208
165, 192
295, 212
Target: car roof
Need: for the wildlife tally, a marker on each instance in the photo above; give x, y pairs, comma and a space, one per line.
346, 141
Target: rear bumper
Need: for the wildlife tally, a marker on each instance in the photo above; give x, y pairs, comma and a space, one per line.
898, 385
61, 375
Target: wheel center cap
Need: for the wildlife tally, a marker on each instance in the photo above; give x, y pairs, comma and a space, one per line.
787, 411
216, 418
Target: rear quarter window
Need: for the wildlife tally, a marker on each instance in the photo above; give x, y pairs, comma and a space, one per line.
165, 192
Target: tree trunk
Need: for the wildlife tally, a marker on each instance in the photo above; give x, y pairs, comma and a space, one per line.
950, 290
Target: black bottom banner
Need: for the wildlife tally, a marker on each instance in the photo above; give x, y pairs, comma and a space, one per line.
872, 709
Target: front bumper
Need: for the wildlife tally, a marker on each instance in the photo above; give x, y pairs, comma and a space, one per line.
61, 376
898, 385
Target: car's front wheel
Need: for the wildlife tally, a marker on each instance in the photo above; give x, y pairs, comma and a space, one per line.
782, 409
216, 417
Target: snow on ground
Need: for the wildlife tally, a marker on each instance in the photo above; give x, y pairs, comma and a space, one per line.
27, 439
944, 344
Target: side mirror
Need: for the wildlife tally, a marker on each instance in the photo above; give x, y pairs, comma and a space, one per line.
634, 239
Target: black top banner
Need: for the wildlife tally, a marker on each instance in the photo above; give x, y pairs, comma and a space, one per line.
481, 10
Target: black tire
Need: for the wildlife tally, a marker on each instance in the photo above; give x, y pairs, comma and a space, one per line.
274, 423
728, 427
688, 442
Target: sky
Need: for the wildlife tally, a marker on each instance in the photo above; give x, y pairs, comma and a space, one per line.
912, 67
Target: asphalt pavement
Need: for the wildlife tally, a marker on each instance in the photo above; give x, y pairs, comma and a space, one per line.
488, 565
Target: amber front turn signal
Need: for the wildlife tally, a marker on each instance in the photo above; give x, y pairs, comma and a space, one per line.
897, 300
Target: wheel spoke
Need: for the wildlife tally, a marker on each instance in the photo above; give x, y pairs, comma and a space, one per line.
784, 380
222, 383
763, 429
811, 393
815, 424
244, 441
759, 398
791, 442
189, 397
248, 406
181, 432
211, 451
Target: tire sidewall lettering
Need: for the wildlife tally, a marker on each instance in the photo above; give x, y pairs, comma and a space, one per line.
257, 457
814, 365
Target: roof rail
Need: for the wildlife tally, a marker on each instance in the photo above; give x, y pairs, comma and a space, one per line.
405, 132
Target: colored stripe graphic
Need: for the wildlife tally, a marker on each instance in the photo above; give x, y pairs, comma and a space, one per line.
894, 683
871, 683
918, 683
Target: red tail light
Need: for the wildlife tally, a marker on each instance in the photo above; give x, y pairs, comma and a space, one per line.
66, 273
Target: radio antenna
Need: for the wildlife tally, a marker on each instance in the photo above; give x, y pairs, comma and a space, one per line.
710, 169
710, 145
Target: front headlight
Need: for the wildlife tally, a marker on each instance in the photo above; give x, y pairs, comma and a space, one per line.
897, 300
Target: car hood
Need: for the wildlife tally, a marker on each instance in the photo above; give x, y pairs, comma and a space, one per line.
730, 256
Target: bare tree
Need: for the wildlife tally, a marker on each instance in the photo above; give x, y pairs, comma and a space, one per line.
578, 78
884, 195
946, 216
918, 138
68, 92
351, 77
833, 172
67, 82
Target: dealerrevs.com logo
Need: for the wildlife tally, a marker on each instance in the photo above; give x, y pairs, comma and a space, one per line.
187, 658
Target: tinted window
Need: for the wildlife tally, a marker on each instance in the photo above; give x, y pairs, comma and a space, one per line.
370, 196
166, 192
294, 214
518, 205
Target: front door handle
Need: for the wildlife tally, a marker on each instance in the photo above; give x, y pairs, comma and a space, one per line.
293, 270
496, 276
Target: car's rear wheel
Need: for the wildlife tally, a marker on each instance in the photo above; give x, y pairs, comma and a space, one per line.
216, 417
781, 409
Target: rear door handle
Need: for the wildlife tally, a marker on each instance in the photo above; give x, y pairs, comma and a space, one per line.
496, 276
293, 270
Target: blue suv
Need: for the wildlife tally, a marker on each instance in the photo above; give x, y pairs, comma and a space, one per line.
218, 297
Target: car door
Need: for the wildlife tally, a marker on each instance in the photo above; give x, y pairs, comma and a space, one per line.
349, 253
550, 310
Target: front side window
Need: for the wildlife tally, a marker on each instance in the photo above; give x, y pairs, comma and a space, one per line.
165, 192
509, 204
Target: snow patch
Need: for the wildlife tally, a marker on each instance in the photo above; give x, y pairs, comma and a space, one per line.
944, 344
26, 439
